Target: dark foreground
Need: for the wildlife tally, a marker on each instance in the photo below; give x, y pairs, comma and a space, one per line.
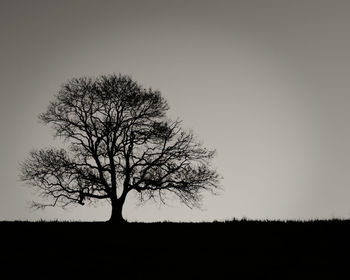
235, 250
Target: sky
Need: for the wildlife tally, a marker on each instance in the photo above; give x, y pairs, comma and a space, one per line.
265, 83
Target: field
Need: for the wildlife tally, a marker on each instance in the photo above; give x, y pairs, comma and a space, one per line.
230, 250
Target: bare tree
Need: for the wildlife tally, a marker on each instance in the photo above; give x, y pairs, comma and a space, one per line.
119, 140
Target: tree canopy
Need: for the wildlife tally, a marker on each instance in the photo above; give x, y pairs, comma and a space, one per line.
119, 139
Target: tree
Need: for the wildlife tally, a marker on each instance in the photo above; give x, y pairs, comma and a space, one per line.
118, 139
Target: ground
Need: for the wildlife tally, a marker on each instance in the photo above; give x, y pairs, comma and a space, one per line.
237, 249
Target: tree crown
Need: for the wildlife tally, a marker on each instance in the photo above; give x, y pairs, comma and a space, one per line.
119, 140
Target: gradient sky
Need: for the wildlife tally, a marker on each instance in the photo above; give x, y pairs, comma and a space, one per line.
266, 83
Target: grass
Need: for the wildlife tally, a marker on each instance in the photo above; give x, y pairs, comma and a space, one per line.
236, 249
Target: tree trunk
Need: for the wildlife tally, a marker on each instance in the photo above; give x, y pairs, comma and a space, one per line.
117, 212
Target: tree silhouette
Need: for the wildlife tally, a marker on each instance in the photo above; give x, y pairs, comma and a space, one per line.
118, 140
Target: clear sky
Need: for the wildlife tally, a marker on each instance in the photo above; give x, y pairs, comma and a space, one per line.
264, 82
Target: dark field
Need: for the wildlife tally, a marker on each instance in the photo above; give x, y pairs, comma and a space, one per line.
231, 250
